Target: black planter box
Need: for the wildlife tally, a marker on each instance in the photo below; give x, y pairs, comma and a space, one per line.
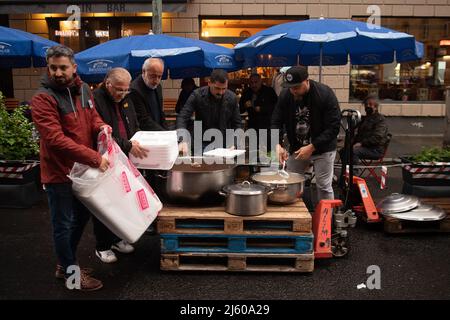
426, 173
20, 185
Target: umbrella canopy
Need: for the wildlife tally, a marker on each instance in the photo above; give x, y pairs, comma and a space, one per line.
20, 49
318, 42
183, 57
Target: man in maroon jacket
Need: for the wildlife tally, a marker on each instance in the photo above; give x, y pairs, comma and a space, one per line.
63, 112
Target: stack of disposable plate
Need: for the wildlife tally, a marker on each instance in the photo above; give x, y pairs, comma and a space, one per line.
162, 146
407, 207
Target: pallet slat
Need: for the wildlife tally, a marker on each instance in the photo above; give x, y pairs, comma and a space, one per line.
278, 220
219, 243
238, 262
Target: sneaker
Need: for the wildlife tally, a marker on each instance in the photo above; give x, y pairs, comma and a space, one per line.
123, 247
87, 283
59, 272
107, 256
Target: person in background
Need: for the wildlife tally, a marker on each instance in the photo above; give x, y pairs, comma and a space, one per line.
372, 133
147, 97
187, 87
64, 113
277, 81
116, 108
258, 100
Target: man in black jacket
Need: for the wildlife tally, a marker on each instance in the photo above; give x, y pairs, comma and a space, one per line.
258, 100
214, 105
372, 136
117, 110
146, 94
311, 115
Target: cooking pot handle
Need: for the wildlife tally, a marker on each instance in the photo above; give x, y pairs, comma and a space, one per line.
161, 176
280, 187
223, 193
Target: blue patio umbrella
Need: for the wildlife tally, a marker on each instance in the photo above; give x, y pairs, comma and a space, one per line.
183, 57
319, 42
20, 49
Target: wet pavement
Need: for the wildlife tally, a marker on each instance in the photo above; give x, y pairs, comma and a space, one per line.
412, 266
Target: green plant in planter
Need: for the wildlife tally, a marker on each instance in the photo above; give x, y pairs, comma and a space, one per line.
433, 154
16, 134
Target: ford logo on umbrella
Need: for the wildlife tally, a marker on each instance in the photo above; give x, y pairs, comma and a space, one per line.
100, 65
4, 48
224, 60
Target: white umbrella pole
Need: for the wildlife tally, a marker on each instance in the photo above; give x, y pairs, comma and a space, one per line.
320, 65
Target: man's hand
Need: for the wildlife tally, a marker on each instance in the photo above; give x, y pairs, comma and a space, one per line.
183, 148
248, 104
106, 128
257, 108
304, 153
282, 154
104, 165
137, 150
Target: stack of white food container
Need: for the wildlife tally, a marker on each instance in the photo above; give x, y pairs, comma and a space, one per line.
162, 146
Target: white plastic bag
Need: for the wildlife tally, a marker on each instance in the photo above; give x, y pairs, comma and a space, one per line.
119, 197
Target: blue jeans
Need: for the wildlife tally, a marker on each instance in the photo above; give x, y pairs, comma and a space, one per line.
69, 217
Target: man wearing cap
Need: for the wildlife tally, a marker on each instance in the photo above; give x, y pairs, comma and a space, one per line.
310, 113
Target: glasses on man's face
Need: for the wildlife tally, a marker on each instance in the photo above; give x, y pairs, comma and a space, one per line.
119, 90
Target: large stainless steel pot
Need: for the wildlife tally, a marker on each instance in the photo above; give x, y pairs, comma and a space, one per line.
286, 190
246, 199
195, 181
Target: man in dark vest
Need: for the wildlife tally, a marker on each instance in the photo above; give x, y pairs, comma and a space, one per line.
64, 114
116, 109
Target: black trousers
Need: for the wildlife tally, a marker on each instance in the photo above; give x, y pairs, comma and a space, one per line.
103, 236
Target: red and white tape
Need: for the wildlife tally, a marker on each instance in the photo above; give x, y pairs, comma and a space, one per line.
383, 177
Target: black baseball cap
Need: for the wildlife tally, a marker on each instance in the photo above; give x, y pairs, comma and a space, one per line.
294, 76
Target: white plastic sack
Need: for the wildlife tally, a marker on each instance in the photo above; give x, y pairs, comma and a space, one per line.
119, 197
162, 146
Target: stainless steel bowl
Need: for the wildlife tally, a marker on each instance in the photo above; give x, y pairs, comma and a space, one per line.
285, 190
397, 202
423, 212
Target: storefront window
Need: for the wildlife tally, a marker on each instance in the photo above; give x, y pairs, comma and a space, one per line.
96, 30
423, 80
229, 32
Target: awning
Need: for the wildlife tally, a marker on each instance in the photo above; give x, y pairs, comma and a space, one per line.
88, 6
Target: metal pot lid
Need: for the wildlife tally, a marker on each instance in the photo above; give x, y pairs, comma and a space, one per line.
274, 177
245, 188
397, 202
421, 213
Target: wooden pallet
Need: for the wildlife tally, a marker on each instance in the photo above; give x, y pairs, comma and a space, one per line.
222, 243
293, 219
394, 225
237, 262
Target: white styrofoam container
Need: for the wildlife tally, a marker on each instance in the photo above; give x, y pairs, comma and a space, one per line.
162, 146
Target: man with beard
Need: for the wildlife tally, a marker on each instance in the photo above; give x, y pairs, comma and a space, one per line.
310, 112
64, 114
214, 105
116, 109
